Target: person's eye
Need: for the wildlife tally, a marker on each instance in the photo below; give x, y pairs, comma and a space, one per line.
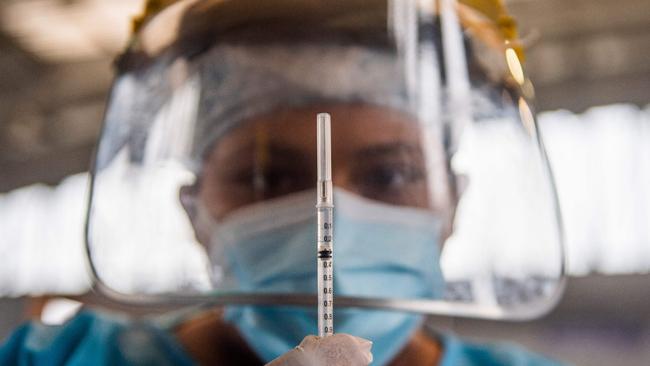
388, 179
275, 182
272, 181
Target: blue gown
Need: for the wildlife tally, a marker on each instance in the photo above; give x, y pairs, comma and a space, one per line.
95, 339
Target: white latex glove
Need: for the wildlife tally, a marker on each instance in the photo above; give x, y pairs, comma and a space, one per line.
337, 350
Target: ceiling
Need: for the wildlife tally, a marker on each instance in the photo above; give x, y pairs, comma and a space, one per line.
581, 53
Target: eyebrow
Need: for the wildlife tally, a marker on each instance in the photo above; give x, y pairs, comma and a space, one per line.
276, 152
279, 153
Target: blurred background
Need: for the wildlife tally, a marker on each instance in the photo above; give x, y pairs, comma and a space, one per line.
589, 59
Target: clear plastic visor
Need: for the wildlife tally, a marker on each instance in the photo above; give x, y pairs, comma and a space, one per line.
205, 179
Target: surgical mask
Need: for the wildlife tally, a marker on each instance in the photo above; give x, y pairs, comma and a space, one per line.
380, 251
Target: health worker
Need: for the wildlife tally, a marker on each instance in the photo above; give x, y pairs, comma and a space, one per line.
204, 187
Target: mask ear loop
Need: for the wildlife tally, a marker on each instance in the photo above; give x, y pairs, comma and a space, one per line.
202, 221
205, 226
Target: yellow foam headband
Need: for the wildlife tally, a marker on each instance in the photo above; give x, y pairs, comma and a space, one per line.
151, 8
493, 11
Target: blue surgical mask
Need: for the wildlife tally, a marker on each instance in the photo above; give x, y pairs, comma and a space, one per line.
380, 251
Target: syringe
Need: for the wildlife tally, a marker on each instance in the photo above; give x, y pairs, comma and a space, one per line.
325, 208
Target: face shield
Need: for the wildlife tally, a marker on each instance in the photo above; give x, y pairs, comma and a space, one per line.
204, 184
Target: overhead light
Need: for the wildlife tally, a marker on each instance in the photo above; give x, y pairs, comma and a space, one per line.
62, 31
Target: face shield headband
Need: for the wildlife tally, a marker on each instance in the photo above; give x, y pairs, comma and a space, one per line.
244, 81
239, 82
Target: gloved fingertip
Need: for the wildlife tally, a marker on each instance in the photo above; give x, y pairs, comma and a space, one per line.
369, 358
363, 342
309, 340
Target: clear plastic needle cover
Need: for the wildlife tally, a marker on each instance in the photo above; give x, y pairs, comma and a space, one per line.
324, 147
324, 246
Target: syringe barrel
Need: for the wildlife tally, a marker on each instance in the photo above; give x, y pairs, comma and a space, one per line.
325, 271
325, 211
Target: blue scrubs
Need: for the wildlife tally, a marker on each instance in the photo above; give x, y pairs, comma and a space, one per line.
96, 339
460, 353
92, 339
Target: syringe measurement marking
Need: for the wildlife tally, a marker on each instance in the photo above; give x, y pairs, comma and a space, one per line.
326, 294
325, 283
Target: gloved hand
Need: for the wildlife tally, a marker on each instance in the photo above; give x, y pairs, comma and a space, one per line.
337, 350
